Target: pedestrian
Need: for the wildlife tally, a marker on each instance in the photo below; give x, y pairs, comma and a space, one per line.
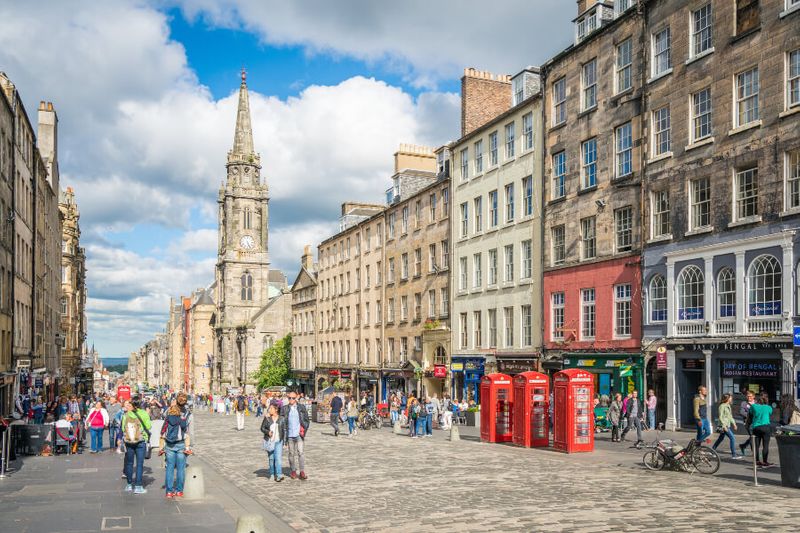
271, 427
413, 413
352, 416
744, 413
614, 416
760, 414
113, 408
96, 423
136, 430
38, 411
419, 409
725, 423
700, 409
336, 409
447, 412
294, 434
394, 406
240, 407
790, 414
430, 412
652, 402
634, 413
227, 405
174, 433
118, 440
624, 419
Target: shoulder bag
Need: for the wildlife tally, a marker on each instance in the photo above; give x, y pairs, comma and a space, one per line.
148, 448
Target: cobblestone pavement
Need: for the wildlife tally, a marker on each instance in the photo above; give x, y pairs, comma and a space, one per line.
385, 482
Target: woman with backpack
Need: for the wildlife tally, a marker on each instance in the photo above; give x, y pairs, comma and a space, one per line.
174, 434
135, 432
273, 441
96, 423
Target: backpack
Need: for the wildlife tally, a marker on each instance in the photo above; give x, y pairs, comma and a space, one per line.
173, 432
240, 404
415, 411
133, 429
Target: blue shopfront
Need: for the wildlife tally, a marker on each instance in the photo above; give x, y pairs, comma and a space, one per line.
467, 373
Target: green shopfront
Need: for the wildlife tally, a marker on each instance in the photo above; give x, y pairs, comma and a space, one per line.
616, 372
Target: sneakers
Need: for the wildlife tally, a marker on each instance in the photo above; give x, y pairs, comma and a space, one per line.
139, 490
128, 488
767, 464
170, 495
303, 476
293, 475
278, 479
179, 494
737, 457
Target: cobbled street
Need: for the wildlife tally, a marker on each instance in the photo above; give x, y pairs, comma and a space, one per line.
385, 482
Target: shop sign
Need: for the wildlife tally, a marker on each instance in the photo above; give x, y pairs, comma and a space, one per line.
766, 309
739, 346
346, 374
735, 368
333, 373
661, 358
796, 336
457, 367
611, 363
516, 366
693, 364
439, 371
38, 383
585, 362
690, 313
473, 365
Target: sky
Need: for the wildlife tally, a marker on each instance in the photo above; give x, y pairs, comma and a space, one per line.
146, 91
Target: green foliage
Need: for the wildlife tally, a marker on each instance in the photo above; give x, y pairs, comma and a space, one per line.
276, 364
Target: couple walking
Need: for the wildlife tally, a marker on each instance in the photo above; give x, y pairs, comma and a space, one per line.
286, 426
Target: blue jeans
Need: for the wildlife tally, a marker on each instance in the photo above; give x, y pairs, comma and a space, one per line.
275, 467
420, 425
351, 423
651, 418
703, 429
112, 436
395, 416
134, 451
429, 424
97, 438
176, 466
731, 438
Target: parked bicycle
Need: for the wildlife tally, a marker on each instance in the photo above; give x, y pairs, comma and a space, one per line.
369, 419
667, 453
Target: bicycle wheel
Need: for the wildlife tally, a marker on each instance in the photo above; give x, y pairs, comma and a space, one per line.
705, 460
378, 422
653, 460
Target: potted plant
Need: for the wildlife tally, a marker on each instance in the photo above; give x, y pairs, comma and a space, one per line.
473, 416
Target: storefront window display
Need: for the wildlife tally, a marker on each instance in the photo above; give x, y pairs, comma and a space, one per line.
467, 374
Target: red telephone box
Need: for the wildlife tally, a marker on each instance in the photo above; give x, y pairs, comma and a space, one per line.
531, 402
573, 413
497, 400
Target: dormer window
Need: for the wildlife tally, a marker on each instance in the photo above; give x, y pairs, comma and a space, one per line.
621, 6
592, 19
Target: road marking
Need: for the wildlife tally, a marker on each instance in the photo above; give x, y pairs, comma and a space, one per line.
115, 523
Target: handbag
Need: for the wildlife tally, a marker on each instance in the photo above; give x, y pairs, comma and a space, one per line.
269, 445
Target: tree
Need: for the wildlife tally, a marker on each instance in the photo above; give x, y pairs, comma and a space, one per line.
276, 364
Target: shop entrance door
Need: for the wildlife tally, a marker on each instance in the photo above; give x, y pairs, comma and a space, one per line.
604, 384
692, 379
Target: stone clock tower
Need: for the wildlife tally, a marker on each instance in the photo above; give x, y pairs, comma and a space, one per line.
242, 273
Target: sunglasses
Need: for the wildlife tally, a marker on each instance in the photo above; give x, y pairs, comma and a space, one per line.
292, 397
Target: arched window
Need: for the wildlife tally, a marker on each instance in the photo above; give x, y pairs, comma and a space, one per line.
247, 287
248, 218
440, 356
764, 278
726, 293
691, 301
658, 299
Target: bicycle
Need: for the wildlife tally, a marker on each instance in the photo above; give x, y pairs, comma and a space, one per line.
694, 457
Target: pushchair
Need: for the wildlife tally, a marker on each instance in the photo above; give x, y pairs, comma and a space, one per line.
601, 422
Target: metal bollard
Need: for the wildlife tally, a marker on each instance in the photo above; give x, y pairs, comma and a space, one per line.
250, 523
4, 454
194, 487
454, 434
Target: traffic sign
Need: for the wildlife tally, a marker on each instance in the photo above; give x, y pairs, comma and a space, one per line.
797, 335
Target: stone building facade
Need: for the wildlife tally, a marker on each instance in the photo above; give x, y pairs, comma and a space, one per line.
495, 273
7, 240
594, 164
304, 323
73, 284
200, 342
722, 199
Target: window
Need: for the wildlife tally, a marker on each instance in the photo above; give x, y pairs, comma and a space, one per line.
510, 140
747, 16
390, 275
559, 101
464, 329
557, 310
431, 206
792, 172
464, 164
793, 78
445, 254
700, 203
658, 299
509, 263
462, 273
390, 311
691, 294
476, 327
405, 219
508, 323
417, 305
247, 287
378, 273
559, 249
477, 274
510, 202
559, 175
445, 202
662, 133
493, 267
661, 223
403, 348
527, 131
493, 208
248, 218
662, 61
747, 87
464, 219
588, 238
432, 266
726, 293
623, 65
417, 262
623, 225
746, 193
589, 166
379, 312
445, 302
527, 325
620, 6
624, 149
587, 314
417, 216
527, 259
404, 266
493, 148
622, 311
390, 225
702, 36
764, 287
431, 303
477, 205
701, 114
478, 147
589, 85
492, 328
527, 198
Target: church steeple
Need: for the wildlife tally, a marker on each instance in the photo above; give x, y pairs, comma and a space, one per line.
243, 150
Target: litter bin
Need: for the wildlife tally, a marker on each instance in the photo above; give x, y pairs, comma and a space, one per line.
789, 453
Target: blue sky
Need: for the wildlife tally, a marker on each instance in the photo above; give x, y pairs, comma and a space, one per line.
145, 92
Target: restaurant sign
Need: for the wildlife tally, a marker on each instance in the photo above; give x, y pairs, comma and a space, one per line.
736, 368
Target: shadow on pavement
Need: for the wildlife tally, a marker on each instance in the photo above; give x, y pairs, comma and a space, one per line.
743, 478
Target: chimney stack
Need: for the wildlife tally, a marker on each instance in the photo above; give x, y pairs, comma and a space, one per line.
484, 96
308, 258
47, 136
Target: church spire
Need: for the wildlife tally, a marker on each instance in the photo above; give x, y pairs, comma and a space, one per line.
243, 137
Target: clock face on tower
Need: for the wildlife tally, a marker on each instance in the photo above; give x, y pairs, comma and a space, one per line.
247, 242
